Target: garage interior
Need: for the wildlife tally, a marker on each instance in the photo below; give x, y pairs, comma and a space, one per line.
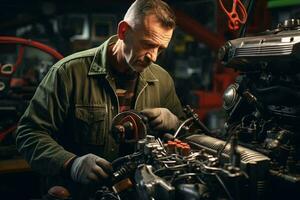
34, 35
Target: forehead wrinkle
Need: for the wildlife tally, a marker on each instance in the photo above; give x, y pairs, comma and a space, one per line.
154, 36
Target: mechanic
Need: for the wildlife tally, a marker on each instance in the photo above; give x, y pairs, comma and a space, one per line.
64, 132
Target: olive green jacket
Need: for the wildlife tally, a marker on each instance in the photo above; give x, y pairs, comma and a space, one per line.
71, 111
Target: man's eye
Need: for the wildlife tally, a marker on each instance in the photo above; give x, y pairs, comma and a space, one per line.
149, 45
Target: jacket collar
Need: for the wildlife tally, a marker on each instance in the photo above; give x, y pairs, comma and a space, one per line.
147, 75
99, 64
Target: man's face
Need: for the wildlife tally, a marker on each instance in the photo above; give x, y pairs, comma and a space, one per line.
144, 42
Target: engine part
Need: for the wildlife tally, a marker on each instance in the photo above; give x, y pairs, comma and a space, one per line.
129, 127
255, 164
263, 105
272, 49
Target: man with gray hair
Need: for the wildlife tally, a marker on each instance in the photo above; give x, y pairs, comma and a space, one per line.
64, 132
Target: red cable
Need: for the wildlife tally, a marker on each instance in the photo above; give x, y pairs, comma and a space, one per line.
32, 43
6, 131
19, 59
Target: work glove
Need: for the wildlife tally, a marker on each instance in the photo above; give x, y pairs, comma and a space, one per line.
90, 168
161, 119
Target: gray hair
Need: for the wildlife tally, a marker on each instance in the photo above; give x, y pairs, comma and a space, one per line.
141, 8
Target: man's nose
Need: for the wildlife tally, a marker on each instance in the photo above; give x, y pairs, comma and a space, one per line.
152, 55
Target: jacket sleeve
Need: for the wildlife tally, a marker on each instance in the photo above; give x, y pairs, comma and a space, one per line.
43, 117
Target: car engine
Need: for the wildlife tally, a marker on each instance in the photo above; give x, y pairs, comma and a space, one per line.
263, 105
258, 154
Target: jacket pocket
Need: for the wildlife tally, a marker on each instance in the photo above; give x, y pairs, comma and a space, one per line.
90, 123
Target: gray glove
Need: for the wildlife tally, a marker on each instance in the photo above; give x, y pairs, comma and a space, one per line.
90, 168
161, 119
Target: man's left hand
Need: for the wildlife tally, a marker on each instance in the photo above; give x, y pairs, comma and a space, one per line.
161, 119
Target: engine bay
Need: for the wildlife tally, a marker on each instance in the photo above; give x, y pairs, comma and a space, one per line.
257, 156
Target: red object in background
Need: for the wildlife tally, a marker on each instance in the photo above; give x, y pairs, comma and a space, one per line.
223, 77
209, 100
26, 42
5, 132
31, 43
8, 73
237, 16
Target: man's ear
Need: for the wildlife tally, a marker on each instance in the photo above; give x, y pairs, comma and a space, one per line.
122, 28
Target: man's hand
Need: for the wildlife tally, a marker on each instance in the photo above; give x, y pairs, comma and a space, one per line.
90, 168
161, 119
